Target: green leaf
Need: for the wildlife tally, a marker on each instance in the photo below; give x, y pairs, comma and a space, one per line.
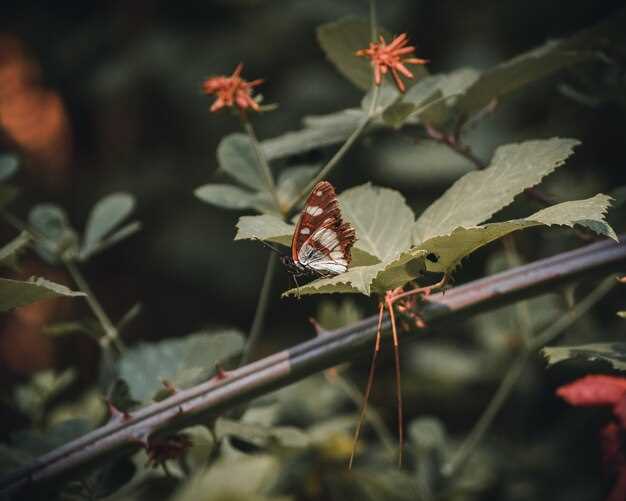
381, 218
236, 479
51, 222
452, 248
478, 195
182, 362
262, 436
228, 196
320, 131
519, 72
612, 353
8, 166
16, 293
427, 91
10, 252
621, 314
109, 212
332, 315
340, 40
237, 158
293, 180
265, 227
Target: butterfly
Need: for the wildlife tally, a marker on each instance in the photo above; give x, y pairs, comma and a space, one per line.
321, 241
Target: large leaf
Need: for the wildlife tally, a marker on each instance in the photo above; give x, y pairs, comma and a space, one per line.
265, 227
228, 196
237, 158
478, 195
448, 250
109, 212
182, 362
611, 353
16, 293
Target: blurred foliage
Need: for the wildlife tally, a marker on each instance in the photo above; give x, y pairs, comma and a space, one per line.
103, 125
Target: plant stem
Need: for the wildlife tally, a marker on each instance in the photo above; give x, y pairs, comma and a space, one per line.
503, 392
373, 21
111, 335
193, 405
261, 310
262, 162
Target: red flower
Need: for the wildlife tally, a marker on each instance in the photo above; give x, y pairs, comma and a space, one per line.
231, 91
597, 390
391, 57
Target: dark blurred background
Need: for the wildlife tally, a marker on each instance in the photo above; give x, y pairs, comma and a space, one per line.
99, 97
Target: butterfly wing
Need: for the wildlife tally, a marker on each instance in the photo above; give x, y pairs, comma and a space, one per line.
321, 240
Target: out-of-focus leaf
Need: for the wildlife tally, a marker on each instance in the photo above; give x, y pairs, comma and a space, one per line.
119, 395
318, 132
247, 478
519, 72
293, 180
10, 252
8, 193
237, 158
341, 39
182, 362
51, 222
478, 195
16, 293
37, 443
428, 90
450, 249
32, 397
227, 196
621, 314
8, 166
332, 315
612, 353
109, 212
262, 436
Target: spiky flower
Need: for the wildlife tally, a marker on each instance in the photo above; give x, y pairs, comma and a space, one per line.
392, 57
231, 91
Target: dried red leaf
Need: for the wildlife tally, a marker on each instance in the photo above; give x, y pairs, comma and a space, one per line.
594, 390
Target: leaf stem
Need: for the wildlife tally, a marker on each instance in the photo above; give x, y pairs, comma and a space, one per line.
515, 371
339, 154
261, 310
111, 335
262, 162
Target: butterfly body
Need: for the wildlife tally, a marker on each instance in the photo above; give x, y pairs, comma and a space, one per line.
321, 241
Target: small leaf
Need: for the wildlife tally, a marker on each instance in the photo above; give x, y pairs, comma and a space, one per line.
319, 132
16, 293
478, 195
227, 196
114, 238
182, 362
8, 166
340, 40
621, 314
51, 222
612, 353
237, 158
104, 217
10, 252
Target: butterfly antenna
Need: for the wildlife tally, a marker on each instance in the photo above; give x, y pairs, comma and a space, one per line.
269, 246
396, 352
368, 389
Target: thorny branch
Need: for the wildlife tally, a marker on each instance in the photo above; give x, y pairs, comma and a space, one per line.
191, 406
